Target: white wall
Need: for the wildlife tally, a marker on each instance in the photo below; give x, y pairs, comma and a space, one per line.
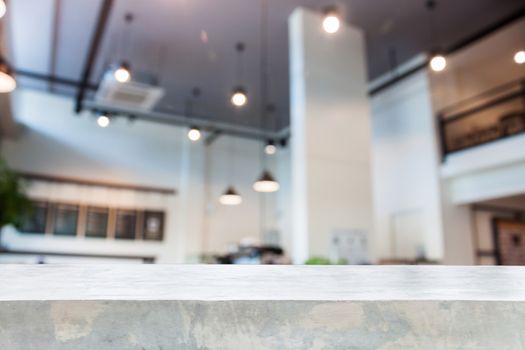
488, 171
330, 125
57, 142
406, 172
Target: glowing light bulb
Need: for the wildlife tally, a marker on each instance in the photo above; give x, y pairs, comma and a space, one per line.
331, 23
438, 63
270, 149
194, 134
519, 57
239, 97
7, 82
122, 73
103, 121
3, 8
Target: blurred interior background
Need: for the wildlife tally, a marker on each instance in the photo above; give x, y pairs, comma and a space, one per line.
262, 131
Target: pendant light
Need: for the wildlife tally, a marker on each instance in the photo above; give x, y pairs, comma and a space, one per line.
519, 57
103, 120
7, 81
438, 62
331, 21
122, 72
270, 148
231, 196
3, 8
194, 134
266, 182
239, 97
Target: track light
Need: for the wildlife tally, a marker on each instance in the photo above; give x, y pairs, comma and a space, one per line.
438, 63
266, 183
230, 197
103, 121
270, 148
331, 21
519, 57
7, 81
122, 74
3, 8
239, 97
194, 134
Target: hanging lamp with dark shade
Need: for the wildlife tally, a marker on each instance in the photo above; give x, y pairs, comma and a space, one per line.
266, 182
230, 197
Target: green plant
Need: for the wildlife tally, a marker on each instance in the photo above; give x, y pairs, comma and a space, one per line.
317, 260
14, 204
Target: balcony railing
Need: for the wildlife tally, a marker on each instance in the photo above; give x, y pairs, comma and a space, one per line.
493, 115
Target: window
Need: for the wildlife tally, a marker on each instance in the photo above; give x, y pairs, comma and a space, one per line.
97, 222
93, 222
35, 221
66, 220
153, 226
125, 225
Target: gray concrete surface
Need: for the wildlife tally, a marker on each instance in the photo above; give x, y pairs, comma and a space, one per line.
261, 307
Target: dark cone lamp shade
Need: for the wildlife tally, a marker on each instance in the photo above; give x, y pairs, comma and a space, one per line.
7, 81
266, 183
230, 197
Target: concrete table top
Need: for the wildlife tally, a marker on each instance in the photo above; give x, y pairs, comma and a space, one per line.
143, 307
266, 282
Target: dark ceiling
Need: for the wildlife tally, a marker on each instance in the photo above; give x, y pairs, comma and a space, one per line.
190, 43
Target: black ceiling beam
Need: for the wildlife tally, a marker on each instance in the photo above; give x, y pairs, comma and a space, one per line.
455, 47
53, 79
103, 17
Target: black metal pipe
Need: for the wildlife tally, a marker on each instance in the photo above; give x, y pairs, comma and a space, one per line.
104, 13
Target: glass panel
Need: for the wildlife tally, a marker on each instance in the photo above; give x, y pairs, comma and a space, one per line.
35, 221
125, 226
97, 222
66, 218
153, 225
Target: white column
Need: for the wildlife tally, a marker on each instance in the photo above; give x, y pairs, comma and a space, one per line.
330, 125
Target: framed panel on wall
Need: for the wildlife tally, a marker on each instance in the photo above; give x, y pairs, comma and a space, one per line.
125, 226
153, 229
509, 240
66, 220
97, 222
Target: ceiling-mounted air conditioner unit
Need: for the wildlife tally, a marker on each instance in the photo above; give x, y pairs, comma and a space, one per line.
130, 95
